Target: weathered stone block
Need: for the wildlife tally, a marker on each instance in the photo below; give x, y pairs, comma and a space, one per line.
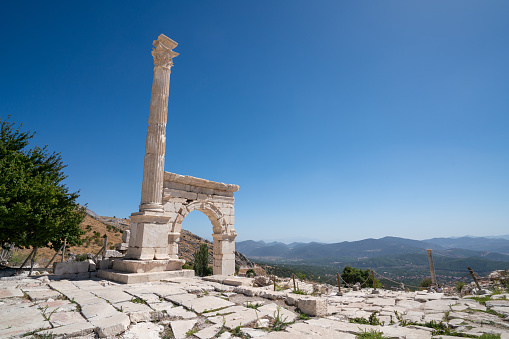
72, 267
313, 306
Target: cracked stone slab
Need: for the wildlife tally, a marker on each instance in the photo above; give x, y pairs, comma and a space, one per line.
111, 326
209, 332
232, 320
137, 312
10, 292
71, 330
112, 295
43, 294
144, 330
66, 318
271, 310
181, 327
207, 303
98, 310
180, 312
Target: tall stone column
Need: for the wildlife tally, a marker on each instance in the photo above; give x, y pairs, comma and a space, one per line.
153, 169
149, 226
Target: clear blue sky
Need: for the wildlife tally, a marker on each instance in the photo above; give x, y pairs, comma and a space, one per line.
340, 120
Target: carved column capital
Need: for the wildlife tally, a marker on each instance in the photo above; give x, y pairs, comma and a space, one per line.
162, 53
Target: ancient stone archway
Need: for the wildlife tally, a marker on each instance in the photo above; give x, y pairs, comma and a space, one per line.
184, 194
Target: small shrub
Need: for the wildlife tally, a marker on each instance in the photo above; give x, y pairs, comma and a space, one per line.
459, 286
426, 283
371, 334
250, 271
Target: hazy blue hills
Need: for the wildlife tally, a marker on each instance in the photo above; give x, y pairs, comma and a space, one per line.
487, 248
499, 245
399, 259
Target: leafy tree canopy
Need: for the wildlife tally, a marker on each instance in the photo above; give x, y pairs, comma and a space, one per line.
352, 275
36, 208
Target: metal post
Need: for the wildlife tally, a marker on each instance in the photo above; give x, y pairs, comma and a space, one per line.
294, 287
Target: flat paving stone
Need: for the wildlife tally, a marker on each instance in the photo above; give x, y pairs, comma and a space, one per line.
111, 326
180, 298
180, 312
98, 310
10, 292
181, 327
112, 295
207, 303
71, 330
209, 332
57, 306
232, 320
66, 318
137, 312
271, 310
43, 294
144, 330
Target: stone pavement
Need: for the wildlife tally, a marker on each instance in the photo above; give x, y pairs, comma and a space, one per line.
220, 307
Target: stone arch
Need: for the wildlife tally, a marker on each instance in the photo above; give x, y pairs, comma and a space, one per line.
184, 194
206, 207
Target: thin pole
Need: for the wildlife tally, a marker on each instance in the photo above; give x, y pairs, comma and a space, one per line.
63, 251
373, 277
29, 256
294, 287
61, 247
339, 284
32, 261
432, 268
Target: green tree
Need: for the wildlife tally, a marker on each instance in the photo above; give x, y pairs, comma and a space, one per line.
201, 261
352, 275
36, 208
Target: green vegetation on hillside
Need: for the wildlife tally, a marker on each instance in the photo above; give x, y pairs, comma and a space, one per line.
36, 208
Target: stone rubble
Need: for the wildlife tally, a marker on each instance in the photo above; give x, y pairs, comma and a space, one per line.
211, 307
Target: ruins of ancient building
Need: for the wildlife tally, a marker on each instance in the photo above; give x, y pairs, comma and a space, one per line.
167, 198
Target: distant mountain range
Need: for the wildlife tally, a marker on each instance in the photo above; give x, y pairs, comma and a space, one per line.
488, 248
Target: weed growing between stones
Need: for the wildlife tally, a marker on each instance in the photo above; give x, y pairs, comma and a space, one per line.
47, 316
482, 300
373, 320
489, 336
279, 323
371, 334
191, 332
302, 315
237, 332
253, 306
138, 300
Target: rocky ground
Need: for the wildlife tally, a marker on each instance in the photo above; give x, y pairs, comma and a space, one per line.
44, 306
